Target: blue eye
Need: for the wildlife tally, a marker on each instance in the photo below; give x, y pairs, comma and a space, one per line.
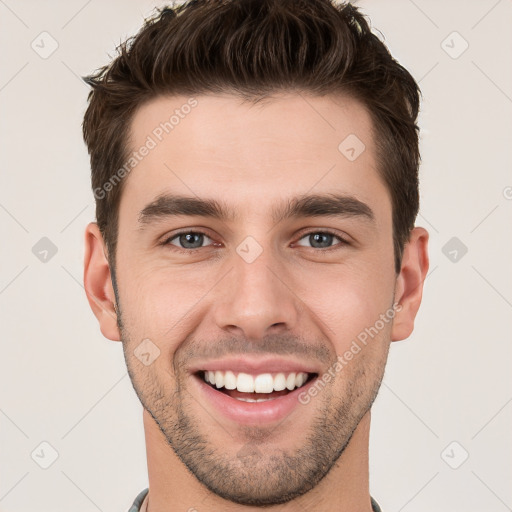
321, 239
188, 240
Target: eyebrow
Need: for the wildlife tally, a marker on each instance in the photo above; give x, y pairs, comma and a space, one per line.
317, 205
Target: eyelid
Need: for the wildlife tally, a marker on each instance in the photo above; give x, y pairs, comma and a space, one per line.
167, 239
342, 239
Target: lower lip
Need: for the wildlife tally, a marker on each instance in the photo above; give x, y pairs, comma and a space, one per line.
250, 413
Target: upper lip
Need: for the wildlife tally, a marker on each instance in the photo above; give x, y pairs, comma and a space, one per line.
255, 366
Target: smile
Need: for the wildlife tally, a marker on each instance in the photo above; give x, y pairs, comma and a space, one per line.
252, 398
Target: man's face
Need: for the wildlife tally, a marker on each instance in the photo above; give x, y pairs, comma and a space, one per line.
256, 292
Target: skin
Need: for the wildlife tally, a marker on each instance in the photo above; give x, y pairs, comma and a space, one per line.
294, 295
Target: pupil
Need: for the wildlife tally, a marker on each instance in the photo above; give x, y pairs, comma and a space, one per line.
317, 238
188, 239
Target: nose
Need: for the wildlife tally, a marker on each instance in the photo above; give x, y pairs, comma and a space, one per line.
258, 298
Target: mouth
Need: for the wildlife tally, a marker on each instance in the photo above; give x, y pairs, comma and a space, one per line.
252, 398
255, 388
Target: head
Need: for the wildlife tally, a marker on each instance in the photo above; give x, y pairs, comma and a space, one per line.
255, 169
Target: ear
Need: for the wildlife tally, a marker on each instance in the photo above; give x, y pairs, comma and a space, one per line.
409, 283
98, 283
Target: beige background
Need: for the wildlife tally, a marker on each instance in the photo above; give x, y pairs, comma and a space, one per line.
447, 390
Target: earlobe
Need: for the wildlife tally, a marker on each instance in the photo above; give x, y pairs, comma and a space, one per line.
409, 284
98, 283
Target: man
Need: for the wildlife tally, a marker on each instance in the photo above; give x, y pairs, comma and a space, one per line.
255, 168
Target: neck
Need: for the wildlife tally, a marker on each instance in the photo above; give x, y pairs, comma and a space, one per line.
172, 487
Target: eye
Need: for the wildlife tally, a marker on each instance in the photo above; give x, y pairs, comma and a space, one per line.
188, 240
193, 240
321, 239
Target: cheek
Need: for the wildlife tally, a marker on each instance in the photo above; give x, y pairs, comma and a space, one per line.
351, 298
157, 302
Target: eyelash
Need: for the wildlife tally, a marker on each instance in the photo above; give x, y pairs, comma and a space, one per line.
342, 243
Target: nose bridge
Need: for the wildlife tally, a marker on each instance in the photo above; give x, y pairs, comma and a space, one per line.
256, 298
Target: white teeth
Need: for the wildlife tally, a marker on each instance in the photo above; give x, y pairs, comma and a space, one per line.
230, 380
300, 379
290, 381
219, 379
245, 383
279, 382
254, 400
263, 383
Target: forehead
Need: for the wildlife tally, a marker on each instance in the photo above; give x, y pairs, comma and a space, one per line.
249, 154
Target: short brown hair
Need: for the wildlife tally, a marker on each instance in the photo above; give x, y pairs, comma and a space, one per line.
253, 48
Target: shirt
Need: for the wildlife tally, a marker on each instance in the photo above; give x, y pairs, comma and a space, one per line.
141, 503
